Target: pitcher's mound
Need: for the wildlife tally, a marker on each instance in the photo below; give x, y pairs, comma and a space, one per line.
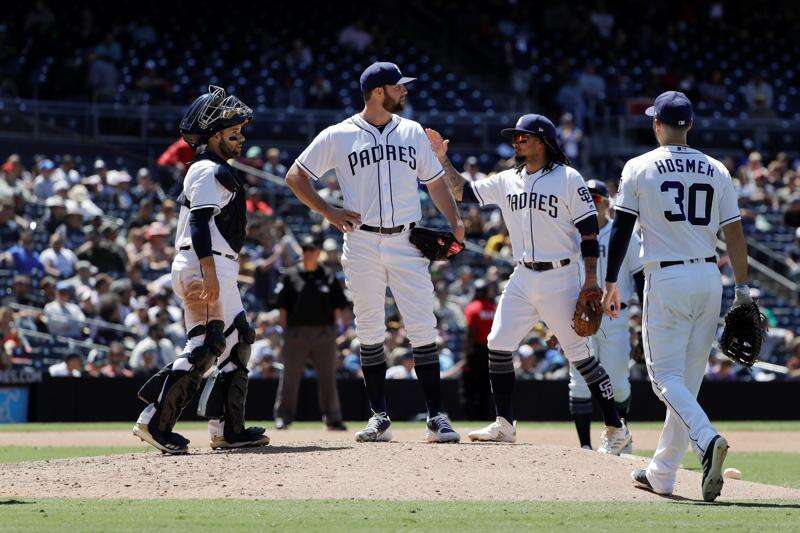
336, 470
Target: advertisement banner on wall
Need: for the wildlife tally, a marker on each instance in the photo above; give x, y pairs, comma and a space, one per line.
13, 405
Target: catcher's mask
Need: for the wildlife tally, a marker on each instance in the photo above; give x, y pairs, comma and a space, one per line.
210, 113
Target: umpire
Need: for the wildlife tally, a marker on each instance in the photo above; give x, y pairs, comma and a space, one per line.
310, 299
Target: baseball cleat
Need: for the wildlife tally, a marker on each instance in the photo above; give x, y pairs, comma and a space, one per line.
249, 438
440, 430
498, 431
614, 440
712, 468
586, 447
169, 443
378, 429
639, 477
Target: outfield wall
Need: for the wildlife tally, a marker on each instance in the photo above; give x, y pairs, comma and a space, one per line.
104, 399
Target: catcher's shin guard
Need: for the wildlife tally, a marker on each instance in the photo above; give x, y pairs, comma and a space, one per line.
152, 388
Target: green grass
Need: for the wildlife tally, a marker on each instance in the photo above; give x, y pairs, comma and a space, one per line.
772, 468
771, 425
328, 516
16, 454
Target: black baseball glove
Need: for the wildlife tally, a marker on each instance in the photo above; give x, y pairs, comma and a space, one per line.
435, 245
745, 327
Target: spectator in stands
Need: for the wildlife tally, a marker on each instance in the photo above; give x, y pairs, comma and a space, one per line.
70, 367
401, 364
289, 93
79, 194
273, 165
147, 189
158, 255
168, 216
82, 280
123, 289
58, 260
160, 349
136, 248
593, 90
570, 137
56, 214
22, 258
474, 223
713, 90
118, 190
570, 99
449, 315
793, 256
355, 37
14, 176
154, 88
320, 94
72, 231
9, 228
48, 290
472, 171
98, 179
527, 363
43, 185
479, 315
144, 215
117, 363
299, 56
264, 366
9, 336
108, 310
138, 319
758, 93
64, 318
66, 171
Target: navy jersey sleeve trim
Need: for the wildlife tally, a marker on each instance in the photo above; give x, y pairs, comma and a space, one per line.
584, 216
626, 210
729, 220
618, 241
437, 175
308, 170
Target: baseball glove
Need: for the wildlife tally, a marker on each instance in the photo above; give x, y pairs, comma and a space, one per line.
743, 333
588, 312
435, 245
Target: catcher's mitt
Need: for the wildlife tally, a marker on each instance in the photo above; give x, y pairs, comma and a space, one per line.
588, 312
743, 333
435, 245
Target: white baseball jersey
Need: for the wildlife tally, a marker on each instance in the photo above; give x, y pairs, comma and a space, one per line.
682, 198
540, 210
378, 171
202, 190
630, 265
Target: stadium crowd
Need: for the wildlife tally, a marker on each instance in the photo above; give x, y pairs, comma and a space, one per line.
85, 256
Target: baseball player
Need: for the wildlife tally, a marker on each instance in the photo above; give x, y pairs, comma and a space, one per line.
612, 342
211, 231
379, 159
681, 198
552, 221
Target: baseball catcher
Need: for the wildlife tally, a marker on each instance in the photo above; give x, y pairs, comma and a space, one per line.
211, 231
744, 330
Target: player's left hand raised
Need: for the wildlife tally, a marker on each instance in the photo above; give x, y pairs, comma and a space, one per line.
438, 144
611, 300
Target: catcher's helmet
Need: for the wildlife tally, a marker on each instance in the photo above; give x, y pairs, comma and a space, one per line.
210, 113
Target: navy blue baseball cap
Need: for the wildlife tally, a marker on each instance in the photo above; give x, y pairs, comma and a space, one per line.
673, 108
382, 73
533, 124
597, 187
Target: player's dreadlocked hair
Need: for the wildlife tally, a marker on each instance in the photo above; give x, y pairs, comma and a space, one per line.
555, 156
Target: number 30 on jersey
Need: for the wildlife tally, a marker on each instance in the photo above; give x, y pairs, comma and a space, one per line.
683, 210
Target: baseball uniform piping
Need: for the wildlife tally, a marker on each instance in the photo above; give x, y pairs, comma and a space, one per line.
380, 196
389, 167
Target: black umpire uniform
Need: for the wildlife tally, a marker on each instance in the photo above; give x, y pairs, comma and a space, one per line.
308, 297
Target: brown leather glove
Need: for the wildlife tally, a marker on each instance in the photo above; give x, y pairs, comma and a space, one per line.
588, 311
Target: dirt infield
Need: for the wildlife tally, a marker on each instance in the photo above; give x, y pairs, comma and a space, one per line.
305, 464
645, 439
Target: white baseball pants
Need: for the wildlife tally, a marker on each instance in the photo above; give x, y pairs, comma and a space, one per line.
679, 321
529, 297
372, 262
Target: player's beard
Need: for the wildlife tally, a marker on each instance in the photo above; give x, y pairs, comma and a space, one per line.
393, 106
230, 149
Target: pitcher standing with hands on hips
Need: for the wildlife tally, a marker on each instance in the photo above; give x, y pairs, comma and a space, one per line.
379, 159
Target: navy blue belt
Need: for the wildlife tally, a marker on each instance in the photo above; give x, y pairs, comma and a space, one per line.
385, 231
665, 264
226, 256
545, 265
